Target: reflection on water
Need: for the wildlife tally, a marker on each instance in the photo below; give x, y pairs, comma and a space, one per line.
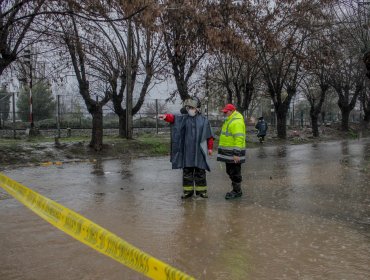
304, 215
261, 152
99, 197
281, 151
98, 168
344, 148
366, 154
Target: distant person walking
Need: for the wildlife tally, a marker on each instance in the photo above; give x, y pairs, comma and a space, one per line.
191, 144
231, 148
262, 127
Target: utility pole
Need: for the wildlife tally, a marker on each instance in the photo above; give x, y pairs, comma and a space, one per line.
207, 92
156, 115
13, 105
129, 83
293, 110
28, 60
58, 115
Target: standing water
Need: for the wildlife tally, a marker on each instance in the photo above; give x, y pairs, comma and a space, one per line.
305, 214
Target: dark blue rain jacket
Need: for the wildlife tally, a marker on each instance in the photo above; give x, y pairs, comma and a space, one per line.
262, 128
189, 141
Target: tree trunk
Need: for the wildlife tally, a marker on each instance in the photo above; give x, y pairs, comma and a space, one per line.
247, 97
345, 118
4, 63
367, 116
366, 110
182, 87
229, 96
122, 125
365, 121
366, 60
315, 126
281, 124
97, 129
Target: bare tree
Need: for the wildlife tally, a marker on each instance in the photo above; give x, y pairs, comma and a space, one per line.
77, 46
348, 72
237, 77
316, 75
315, 94
281, 31
365, 103
22, 23
235, 64
330, 106
16, 18
354, 18
85, 32
183, 25
111, 59
348, 81
152, 108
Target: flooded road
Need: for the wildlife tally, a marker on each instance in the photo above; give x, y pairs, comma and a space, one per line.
305, 214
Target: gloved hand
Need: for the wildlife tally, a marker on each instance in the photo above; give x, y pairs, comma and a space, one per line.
236, 159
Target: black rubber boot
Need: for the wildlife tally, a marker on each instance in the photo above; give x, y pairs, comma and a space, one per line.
187, 194
235, 193
202, 194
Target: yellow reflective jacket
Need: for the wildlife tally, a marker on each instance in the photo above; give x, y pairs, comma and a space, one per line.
232, 139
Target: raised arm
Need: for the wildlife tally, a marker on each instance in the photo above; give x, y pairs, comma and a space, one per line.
167, 118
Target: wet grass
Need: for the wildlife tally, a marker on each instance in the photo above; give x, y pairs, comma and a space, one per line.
155, 145
12, 147
41, 149
143, 145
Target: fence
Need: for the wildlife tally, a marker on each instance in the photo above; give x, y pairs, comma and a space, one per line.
70, 118
74, 120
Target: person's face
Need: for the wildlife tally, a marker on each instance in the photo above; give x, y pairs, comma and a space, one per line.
227, 113
191, 111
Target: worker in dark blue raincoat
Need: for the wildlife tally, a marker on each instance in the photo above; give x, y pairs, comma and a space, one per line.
191, 145
261, 127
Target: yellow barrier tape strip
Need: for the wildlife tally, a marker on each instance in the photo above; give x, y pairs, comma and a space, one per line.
90, 233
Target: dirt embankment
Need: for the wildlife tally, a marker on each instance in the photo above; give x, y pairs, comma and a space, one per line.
43, 152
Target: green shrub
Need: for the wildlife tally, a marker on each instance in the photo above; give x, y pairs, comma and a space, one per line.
45, 124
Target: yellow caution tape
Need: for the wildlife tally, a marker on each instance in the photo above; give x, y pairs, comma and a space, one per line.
90, 233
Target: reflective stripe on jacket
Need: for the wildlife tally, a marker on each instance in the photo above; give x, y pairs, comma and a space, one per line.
232, 139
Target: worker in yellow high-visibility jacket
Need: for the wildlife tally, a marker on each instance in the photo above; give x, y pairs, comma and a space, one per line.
231, 148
